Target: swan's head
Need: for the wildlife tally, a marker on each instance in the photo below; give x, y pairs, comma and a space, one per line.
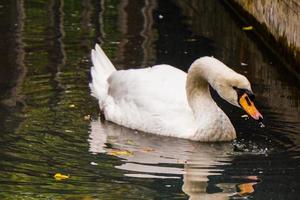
230, 85
236, 89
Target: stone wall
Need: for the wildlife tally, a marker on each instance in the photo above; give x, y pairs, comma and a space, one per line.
282, 20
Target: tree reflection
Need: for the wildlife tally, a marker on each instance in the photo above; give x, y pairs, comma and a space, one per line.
13, 69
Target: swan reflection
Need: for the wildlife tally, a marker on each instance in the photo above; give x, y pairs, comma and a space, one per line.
151, 156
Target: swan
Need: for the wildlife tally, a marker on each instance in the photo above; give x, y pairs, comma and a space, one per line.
166, 101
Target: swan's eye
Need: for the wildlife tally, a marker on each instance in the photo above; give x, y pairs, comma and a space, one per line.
241, 91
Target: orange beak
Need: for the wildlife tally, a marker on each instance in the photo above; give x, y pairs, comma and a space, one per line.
249, 107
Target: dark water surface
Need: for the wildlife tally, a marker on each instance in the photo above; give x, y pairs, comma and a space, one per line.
50, 124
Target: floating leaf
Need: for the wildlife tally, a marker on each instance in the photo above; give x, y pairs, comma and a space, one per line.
120, 153
248, 28
59, 176
147, 149
246, 188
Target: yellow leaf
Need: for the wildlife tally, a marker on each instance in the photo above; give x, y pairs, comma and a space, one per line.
59, 176
120, 153
248, 28
246, 188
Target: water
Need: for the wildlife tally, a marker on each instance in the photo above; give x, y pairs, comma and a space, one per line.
49, 123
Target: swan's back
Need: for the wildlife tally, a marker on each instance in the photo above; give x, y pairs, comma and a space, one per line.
160, 82
151, 99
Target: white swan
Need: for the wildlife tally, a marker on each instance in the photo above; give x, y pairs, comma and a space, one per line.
166, 101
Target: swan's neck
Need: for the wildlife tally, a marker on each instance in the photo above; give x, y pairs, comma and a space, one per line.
212, 123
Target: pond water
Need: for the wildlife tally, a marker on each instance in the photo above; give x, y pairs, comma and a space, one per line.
49, 123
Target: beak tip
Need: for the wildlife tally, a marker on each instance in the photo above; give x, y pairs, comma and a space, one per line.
258, 117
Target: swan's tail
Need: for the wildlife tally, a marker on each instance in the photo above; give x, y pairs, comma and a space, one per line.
102, 68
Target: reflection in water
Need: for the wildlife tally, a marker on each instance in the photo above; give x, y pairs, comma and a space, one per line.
13, 72
135, 23
98, 21
56, 52
56, 34
85, 23
152, 156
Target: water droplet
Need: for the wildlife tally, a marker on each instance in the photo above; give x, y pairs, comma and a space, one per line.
93, 163
261, 125
246, 117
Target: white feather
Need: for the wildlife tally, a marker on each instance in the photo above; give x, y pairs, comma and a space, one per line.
101, 70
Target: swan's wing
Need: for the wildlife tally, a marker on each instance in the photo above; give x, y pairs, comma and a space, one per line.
152, 99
